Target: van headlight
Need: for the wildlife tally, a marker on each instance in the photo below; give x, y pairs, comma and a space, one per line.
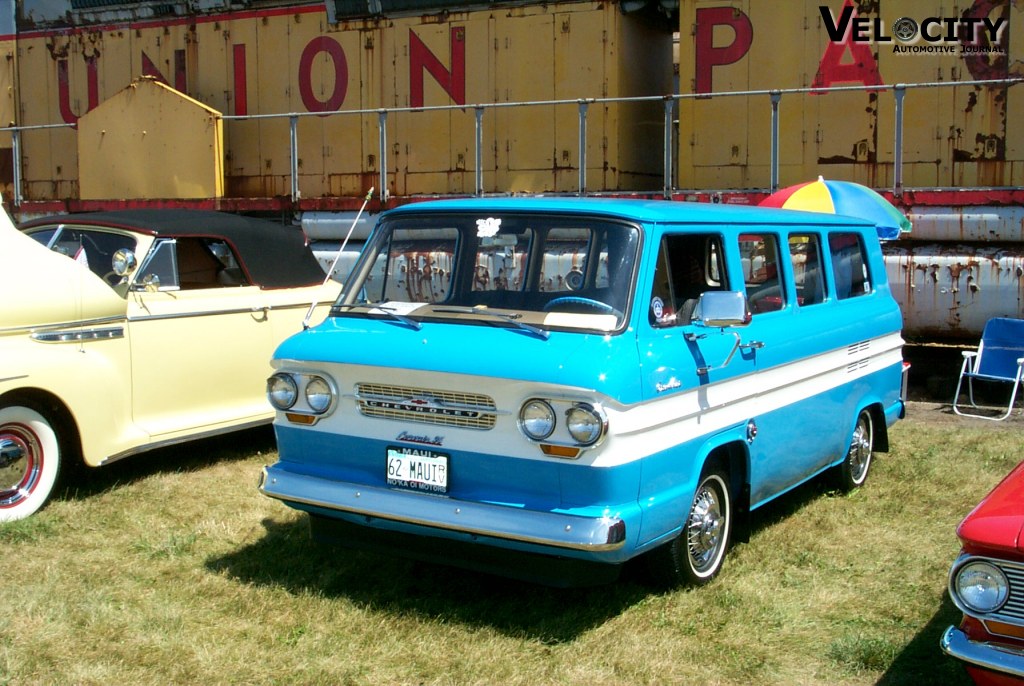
585, 423
536, 419
318, 394
980, 587
282, 391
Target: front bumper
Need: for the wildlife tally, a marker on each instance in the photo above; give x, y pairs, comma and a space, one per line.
552, 530
998, 657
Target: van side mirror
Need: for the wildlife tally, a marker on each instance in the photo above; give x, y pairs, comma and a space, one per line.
721, 309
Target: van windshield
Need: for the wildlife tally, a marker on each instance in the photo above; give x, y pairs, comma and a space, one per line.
535, 272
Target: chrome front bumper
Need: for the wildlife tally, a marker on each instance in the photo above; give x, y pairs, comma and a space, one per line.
553, 530
997, 657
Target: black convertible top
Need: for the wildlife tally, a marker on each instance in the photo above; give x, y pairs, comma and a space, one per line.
273, 255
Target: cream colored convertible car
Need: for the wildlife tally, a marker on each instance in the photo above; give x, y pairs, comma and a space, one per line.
125, 331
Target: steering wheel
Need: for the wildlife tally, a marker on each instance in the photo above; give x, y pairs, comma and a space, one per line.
585, 302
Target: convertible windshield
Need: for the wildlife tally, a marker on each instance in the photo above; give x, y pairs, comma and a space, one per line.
527, 272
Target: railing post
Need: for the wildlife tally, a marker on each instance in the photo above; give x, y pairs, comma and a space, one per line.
16, 154
583, 147
293, 143
774, 183
382, 153
479, 150
666, 182
899, 91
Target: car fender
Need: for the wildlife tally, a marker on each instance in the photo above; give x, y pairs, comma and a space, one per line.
90, 378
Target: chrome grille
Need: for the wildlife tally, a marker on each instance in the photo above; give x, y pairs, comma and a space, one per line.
1014, 608
426, 405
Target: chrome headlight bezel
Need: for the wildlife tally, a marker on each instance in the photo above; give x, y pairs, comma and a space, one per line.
586, 423
282, 391
319, 394
564, 426
977, 586
537, 419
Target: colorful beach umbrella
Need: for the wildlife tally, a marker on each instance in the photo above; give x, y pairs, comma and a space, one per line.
842, 197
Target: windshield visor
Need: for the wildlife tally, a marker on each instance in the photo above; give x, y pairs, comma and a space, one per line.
543, 271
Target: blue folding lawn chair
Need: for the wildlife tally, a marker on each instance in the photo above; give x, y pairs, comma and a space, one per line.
999, 358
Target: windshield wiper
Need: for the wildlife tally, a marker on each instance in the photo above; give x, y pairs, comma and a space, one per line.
388, 311
512, 319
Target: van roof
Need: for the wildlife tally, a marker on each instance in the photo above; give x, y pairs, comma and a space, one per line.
654, 211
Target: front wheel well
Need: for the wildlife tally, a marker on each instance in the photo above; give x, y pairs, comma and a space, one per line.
57, 412
732, 459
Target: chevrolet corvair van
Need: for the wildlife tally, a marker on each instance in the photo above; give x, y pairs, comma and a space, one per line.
549, 388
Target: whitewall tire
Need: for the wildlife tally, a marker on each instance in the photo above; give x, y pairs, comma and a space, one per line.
29, 461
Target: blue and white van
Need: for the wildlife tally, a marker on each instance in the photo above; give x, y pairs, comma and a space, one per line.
548, 388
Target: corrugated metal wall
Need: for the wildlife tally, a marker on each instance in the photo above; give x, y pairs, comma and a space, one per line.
953, 136
291, 60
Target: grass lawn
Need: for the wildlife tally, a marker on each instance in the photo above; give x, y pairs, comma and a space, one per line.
171, 568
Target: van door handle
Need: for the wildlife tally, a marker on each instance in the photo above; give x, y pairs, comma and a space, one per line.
752, 345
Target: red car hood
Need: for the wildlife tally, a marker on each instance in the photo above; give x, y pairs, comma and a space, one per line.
994, 526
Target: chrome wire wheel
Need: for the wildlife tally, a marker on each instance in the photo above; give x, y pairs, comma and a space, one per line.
861, 446
707, 527
852, 472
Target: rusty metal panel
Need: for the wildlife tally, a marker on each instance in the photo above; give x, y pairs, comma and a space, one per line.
436, 147
277, 51
8, 111
973, 224
525, 55
131, 145
952, 136
288, 59
631, 132
949, 291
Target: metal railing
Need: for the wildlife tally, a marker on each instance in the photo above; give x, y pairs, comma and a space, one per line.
773, 98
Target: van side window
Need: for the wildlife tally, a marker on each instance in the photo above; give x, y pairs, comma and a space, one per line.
849, 265
760, 253
805, 254
688, 265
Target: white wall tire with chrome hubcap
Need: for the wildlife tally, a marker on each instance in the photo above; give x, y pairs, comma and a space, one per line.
29, 461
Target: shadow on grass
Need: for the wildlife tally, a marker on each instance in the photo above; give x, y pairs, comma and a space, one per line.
78, 482
288, 558
922, 661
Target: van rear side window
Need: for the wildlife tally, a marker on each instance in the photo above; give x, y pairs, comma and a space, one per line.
849, 265
805, 254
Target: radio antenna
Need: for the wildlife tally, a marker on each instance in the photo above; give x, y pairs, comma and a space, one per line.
330, 272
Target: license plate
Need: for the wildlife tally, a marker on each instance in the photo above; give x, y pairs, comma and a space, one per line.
420, 470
